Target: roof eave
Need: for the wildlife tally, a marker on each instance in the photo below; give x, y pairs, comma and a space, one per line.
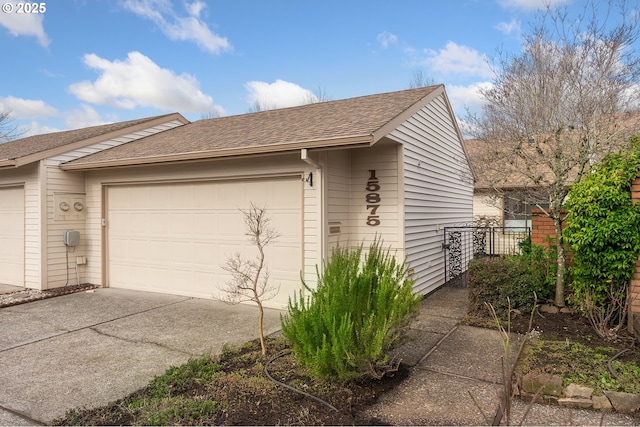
30, 158
7, 163
390, 126
339, 142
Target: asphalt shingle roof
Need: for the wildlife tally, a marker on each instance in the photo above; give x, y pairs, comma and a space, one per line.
270, 130
40, 143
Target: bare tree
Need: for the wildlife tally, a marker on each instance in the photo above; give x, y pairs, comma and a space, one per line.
250, 278
211, 114
8, 131
320, 95
261, 106
559, 106
419, 79
310, 98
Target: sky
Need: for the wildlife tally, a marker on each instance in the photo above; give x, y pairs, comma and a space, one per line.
79, 63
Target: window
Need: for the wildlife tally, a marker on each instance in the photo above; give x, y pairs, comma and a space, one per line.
517, 206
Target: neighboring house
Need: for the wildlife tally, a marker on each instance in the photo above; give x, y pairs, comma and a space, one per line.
32, 188
505, 200
161, 213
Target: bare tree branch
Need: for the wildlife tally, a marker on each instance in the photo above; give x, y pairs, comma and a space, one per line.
250, 278
558, 107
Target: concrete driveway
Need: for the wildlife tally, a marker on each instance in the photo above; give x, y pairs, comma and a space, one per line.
91, 348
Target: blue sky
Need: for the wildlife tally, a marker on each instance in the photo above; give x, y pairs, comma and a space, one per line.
88, 62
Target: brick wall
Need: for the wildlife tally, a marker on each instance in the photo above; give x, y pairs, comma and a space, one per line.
634, 286
541, 227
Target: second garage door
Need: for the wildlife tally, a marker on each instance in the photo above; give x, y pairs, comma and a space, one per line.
175, 237
12, 236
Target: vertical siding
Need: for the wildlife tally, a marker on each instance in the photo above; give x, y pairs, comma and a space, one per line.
383, 158
438, 191
28, 176
65, 185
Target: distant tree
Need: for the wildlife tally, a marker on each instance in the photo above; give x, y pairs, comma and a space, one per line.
320, 95
213, 114
261, 106
250, 278
311, 98
559, 105
8, 130
419, 79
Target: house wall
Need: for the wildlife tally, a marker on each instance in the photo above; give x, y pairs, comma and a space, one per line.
338, 199
438, 189
28, 176
365, 196
63, 187
486, 212
236, 169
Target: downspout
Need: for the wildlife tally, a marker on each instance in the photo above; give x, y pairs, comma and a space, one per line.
319, 179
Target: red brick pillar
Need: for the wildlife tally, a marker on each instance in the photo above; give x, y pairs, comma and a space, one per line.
634, 286
541, 228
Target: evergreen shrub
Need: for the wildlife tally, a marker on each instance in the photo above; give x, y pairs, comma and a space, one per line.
345, 327
514, 282
603, 230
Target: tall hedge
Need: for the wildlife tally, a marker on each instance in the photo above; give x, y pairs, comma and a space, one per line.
603, 231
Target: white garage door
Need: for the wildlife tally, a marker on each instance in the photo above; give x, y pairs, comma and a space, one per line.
174, 237
12, 236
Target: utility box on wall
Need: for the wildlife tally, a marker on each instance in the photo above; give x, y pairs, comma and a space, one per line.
71, 238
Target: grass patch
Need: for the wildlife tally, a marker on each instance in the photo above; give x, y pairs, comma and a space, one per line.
582, 364
233, 390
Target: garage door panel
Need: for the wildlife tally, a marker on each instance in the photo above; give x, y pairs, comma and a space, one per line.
206, 223
12, 244
182, 241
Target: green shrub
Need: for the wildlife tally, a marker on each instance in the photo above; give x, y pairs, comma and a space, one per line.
345, 328
603, 230
517, 280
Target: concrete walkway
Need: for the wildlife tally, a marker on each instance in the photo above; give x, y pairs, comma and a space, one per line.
91, 348
456, 375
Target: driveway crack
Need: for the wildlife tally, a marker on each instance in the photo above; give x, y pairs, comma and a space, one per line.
132, 341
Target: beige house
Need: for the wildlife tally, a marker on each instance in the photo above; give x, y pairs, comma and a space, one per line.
156, 201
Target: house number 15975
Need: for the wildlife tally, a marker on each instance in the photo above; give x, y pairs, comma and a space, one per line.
373, 199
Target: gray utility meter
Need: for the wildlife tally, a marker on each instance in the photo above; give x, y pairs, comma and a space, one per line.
71, 238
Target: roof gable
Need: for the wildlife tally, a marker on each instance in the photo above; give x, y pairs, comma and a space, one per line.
26, 150
333, 123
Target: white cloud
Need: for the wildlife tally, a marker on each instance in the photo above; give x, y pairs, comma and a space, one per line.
510, 28
278, 94
83, 117
24, 24
458, 59
138, 81
26, 108
467, 97
531, 4
386, 38
190, 27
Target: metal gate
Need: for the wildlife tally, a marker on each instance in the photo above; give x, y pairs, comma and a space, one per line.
462, 244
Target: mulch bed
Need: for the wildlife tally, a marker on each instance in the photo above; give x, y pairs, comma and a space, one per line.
28, 295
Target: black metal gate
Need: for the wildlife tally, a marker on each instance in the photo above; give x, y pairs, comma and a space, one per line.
462, 244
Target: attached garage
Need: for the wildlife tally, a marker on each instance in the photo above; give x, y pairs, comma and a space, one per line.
174, 237
12, 235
